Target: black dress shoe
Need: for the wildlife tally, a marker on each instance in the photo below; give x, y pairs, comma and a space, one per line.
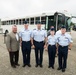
24, 65
41, 66
17, 64
13, 66
63, 70
49, 66
29, 65
52, 67
36, 65
59, 68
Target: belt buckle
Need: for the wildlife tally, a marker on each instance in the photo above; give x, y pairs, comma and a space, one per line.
50, 45
39, 41
26, 41
62, 46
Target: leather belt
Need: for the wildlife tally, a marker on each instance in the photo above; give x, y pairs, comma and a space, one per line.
63, 46
38, 41
25, 41
51, 45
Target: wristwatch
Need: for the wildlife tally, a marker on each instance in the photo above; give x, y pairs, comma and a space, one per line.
32, 44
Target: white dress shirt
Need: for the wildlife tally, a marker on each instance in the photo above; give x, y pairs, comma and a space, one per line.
17, 37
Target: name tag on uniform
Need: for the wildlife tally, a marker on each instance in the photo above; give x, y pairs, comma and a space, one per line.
42, 34
66, 38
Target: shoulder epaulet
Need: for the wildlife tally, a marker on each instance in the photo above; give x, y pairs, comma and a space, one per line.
43, 29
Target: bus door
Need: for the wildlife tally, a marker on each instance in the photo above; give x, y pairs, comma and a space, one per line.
55, 20
59, 19
49, 22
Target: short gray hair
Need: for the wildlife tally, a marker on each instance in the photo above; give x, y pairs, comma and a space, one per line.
14, 26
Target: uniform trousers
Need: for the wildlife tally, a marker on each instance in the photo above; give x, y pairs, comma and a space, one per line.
26, 51
39, 48
51, 54
62, 56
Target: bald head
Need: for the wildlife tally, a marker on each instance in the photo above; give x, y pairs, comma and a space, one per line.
14, 28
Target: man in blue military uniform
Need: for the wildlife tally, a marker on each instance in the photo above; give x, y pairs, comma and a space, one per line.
64, 41
39, 35
25, 39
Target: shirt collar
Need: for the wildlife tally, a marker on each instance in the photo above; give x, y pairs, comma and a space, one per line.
39, 30
63, 34
26, 29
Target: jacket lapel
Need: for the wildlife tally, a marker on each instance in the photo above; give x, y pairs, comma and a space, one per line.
14, 36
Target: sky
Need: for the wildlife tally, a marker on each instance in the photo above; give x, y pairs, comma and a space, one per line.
22, 8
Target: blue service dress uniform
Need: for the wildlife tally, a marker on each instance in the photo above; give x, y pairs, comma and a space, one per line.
51, 50
25, 35
39, 36
63, 40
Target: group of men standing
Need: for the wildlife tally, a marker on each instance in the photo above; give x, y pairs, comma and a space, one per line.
38, 40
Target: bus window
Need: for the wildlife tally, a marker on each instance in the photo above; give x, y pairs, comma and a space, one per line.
27, 20
37, 19
43, 19
50, 22
11, 22
16, 21
60, 22
59, 19
68, 24
3, 23
19, 21
31, 20
23, 20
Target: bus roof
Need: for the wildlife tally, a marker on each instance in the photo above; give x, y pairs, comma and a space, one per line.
37, 15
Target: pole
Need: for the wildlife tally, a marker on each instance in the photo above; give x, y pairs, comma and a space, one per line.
56, 22
0, 23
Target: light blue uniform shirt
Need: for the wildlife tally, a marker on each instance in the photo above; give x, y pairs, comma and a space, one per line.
64, 40
39, 35
52, 40
25, 35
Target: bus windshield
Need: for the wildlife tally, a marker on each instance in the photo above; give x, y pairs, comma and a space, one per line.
57, 20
